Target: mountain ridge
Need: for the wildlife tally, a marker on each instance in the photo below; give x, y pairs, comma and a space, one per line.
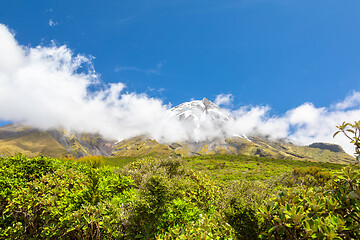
196, 114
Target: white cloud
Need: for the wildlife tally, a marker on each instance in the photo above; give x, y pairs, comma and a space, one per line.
47, 87
351, 101
43, 87
224, 99
307, 124
53, 23
12, 54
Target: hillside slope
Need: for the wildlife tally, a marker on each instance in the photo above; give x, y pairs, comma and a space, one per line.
32, 142
252, 146
197, 116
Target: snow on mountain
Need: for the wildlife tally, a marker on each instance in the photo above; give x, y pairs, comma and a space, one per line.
203, 119
200, 111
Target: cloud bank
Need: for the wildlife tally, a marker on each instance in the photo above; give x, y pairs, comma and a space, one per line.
303, 125
49, 87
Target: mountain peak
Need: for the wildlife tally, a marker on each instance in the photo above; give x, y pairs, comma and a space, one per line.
209, 104
202, 114
205, 100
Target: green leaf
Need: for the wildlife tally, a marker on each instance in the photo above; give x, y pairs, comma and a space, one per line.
336, 133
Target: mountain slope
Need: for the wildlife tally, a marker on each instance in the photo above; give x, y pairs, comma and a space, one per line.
198, 116
16, 138
140, 146
31, 142
255, 147
205, 114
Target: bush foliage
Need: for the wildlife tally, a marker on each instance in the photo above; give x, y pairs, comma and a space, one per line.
321, 206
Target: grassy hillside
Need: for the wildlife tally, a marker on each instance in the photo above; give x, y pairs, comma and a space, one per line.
32, 144
226, 168
234, 167
255, 146
54, 143
140, 147
58, 143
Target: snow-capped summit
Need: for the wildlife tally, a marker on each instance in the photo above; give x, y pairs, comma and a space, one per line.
203, 120
201, 111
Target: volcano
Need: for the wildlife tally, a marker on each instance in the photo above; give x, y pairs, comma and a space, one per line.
197, 116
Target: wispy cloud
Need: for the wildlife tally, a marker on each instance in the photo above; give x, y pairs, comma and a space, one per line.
53, 23
351, 101
224, 99
121, 21
160, 90
156, 70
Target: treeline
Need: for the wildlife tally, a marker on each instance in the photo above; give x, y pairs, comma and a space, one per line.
164, 198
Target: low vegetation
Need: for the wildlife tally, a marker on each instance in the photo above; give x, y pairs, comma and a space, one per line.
162, 197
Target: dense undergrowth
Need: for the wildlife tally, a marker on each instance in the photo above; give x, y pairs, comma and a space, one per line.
209, 197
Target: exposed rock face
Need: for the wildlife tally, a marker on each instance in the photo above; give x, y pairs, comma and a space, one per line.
208, 104
82, 144
328, 146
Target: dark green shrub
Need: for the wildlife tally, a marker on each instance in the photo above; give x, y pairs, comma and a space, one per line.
241, 202
243, 218
60, 204
172, 200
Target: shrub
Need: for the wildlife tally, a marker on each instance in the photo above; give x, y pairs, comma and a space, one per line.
330, 212
206, 227
72, 202
308, 177
172, 201
241, 202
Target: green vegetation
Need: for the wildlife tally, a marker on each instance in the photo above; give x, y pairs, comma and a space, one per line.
234, 167
326, 212
44, 198
322, 207
352, 132
168, 197
61, 143
154, 197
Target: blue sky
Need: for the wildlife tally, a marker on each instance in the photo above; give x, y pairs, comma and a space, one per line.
264, 52
286, 68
